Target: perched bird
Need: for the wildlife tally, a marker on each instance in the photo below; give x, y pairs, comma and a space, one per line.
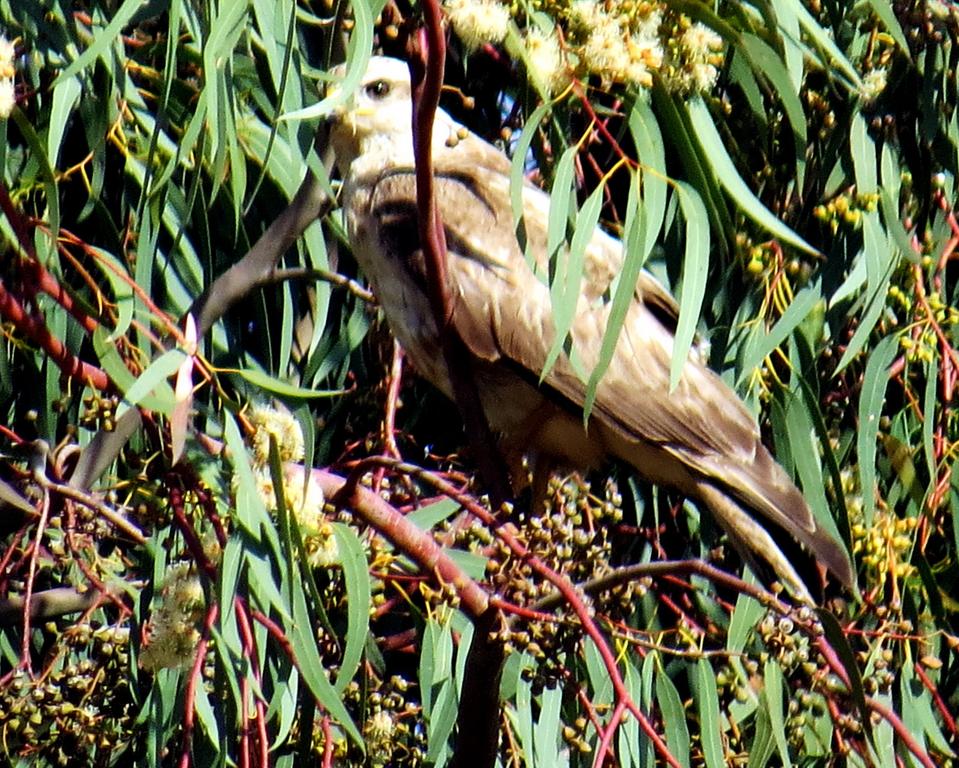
697, 438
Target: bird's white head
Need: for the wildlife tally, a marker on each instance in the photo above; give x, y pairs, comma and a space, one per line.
376, 121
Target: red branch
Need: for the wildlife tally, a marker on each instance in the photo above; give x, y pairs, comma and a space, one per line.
427, 66
196, 675
12, 311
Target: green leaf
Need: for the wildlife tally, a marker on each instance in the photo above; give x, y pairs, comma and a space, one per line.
50, 189
714, 150
624, 293
103, 40
308, 660
767, 63
836, 637
871, 399
358, 598
773, 694
357, 58
282, 389
517, 172
162, 401
760, 347
65, 96
821, 37
568, 275
153, 381
863, 151
707, 703
120, 283
695, 272
427, 517
674, 717
546, 735
652, 154
886, 15
880, 260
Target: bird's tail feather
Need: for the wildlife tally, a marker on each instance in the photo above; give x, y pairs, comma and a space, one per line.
752, 540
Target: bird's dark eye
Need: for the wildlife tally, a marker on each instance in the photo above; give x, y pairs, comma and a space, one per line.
378, 89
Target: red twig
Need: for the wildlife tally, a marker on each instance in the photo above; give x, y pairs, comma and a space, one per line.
327, 742
189, 534
427, 65
569, 594
249, 650
31, 574
196, 674
904, 734
941, 705
12, 311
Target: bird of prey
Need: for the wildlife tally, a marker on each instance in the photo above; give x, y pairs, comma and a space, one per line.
698, 438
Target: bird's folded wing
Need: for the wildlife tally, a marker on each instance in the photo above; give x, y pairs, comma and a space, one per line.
501, 305
502, 311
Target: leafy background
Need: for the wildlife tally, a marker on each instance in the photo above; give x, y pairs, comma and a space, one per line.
163, 604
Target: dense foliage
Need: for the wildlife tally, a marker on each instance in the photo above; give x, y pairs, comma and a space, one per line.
262, 541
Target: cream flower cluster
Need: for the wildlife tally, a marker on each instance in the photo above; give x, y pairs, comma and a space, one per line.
617, 41
303, 496
173, 637
8, 98
617, 46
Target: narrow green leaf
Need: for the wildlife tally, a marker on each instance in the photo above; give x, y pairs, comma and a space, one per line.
674, 718
568, 277
153, 381
773, 694
357, 58
871, 398
599, 682
102, 40
356, 576
744, 618
714, 150
311, 666
836, 636
65, 96
123, 295
886, 15
634, 258
822, 38
758, 349
710, 722
50, 188
517, 172
930, 401
766, 62
441, 722
695, 272
651, 152
863, 151
879, 258
205, 714
917, 712
806, 458
429, 516
546, 734
161, 401
282, 389
560, 199
763, 744
677, 122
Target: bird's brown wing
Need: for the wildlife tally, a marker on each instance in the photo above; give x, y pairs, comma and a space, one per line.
502, 311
